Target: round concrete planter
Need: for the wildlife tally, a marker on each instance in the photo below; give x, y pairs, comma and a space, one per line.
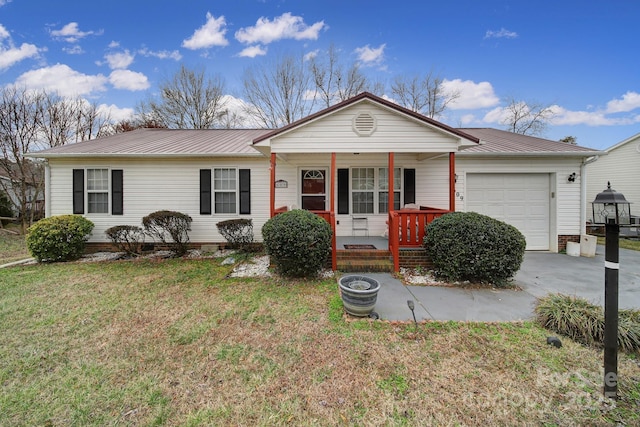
359, 294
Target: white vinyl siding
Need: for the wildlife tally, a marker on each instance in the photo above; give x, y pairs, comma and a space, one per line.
157, 184
393, 131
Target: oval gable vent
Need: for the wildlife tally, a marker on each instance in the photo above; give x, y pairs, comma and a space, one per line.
364, 124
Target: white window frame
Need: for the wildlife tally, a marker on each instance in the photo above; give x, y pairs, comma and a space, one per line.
377, 188
215, 191
89, 191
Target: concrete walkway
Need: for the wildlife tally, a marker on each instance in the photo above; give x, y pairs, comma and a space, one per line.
541, 273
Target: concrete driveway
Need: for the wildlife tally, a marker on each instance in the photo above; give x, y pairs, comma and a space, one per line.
541, 273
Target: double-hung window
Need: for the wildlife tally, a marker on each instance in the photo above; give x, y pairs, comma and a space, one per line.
225, 185
383, 189
362, 190
98, 190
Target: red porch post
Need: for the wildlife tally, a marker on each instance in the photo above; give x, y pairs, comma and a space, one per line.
272, 186
452, 181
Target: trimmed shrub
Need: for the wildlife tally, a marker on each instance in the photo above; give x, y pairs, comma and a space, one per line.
298, 242
474, 247
59, 238
127, 238
171, 228
583, 322
237, 232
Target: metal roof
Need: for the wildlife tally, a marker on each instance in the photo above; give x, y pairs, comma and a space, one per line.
501, 142
164, 142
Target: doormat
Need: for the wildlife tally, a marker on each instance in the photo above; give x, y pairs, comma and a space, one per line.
359, 247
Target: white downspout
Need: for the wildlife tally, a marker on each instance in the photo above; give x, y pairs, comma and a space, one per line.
47, 189
583, 192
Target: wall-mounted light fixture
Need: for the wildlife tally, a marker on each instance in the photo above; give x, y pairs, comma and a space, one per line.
572, 177
455, 177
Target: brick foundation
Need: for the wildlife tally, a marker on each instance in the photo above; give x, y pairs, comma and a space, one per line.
564, 238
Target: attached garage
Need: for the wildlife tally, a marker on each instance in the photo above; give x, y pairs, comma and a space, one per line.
519, 199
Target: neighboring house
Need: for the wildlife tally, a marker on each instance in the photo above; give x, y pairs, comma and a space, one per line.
336, 162
12, 190
621, 167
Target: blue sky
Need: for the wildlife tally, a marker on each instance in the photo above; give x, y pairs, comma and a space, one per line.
579, 56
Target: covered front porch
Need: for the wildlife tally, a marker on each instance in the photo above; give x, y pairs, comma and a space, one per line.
370, 168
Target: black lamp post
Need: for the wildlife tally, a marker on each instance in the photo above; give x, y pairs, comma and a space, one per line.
611, 209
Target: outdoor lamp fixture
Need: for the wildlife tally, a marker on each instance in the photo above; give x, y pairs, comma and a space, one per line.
572, 177
611, 209
412, 308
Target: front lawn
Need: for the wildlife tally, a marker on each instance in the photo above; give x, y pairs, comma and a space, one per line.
175, 342
12, 246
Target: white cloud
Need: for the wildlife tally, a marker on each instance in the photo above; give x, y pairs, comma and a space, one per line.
210, 34
285, 26
62, 79
467, 119
114, 44
237, 107
309, 56
370, 56
253, 51
162, 54
74, 50
129, 80
3, 2
71, 33
500, 34
4, 34
629, 102
115, 113
119, 60
497, 115
13, 55
472, 95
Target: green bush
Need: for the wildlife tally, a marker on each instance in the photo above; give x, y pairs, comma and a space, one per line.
474, 247
171, 228
298, 242
127, 238
238, 232
59, 238
583, 322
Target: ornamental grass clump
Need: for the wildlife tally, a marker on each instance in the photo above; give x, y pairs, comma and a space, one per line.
474, 247
59, 238
298, 241
583, 322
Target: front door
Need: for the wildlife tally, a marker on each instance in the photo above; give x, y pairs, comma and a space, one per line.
314, 189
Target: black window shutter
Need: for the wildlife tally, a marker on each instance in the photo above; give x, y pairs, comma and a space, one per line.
78, 191
205, 191
245, 191
117, 198
343, 191
409, 186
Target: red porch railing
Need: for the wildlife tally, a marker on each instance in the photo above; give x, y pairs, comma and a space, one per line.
406, 229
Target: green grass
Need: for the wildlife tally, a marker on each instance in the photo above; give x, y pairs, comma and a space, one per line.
12, 247
176, 342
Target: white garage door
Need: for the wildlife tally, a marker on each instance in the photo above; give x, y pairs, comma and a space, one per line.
521, 200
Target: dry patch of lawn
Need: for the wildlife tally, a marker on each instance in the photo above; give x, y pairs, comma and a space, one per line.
176, 342
12, 246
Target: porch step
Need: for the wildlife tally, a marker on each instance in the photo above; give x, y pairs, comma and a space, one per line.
364, 261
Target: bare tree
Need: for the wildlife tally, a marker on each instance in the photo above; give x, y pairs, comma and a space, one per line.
526, 118
189, 100
91, 122
423, 94
335, 82
279, 92
20, 128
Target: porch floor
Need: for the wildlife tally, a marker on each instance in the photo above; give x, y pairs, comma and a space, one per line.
379, 242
